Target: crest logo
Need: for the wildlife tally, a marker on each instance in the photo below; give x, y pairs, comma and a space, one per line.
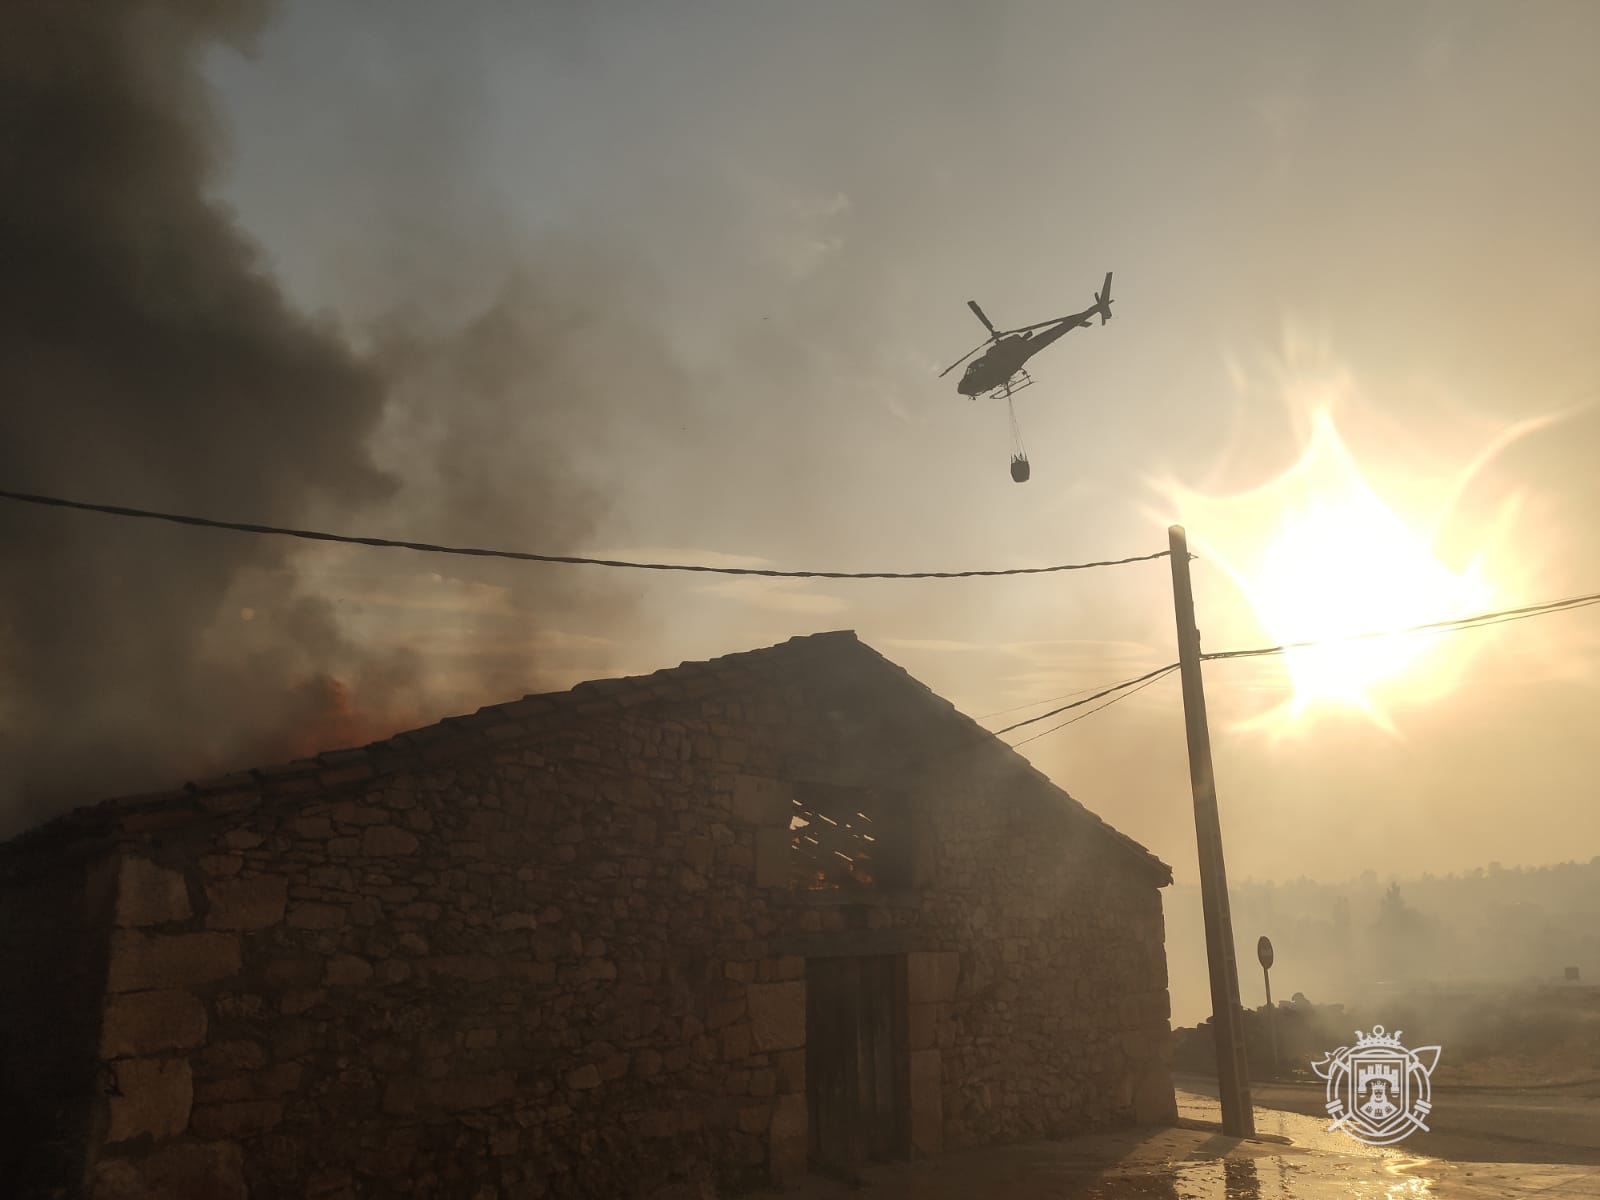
1378, 1091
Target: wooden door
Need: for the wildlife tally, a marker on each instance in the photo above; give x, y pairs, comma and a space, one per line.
857, 1067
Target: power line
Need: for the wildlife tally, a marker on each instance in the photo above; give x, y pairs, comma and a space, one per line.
427, 547
1000, 712
1453, 625
1154, 676
1116, 687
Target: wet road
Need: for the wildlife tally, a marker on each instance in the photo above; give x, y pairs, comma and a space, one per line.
1196, 1162
1504, 1125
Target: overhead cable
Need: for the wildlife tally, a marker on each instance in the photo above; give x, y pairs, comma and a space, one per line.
1452, 625
1116, 687
1152, 678
1000, 712
427, 547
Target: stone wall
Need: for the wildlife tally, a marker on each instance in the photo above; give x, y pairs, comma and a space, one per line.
566, 963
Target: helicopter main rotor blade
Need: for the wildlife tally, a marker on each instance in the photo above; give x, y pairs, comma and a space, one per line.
961, 360
987, 324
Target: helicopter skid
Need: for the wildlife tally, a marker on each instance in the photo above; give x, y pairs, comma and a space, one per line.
1006, 390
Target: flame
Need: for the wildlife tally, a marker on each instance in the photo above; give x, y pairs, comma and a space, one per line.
328, 716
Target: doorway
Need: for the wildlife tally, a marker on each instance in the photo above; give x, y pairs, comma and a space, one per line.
857, 1062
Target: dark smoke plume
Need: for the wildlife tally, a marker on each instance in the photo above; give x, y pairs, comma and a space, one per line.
147, 358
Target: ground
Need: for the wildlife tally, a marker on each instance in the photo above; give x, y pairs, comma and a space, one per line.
1293, 1158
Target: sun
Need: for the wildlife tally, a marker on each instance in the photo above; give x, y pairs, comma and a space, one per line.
1320, 555
1342, 563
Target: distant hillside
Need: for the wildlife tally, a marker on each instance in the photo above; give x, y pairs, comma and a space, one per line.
1507, 1037
1357, 941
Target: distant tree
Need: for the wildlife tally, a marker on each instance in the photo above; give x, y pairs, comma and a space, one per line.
1400, 937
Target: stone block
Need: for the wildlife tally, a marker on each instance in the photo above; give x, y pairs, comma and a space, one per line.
791, 1066
785, 967
238, 1054
927, 1102
659, 1124
922, 1026
763, 802
788, 1139
405, 1096
346, 969
240, 1006
931, 976
697, 854
148, 961
777, 1015
307, 914
253, 903
775, 857
485, 1091
1154, 1101
584, 1078
154, 1096
473, 968
385, 841
141, 1023
213, 1170
239, 1119
724, 1013
148, 894
735, 1043
646, 1064
755, 1118
221, 866
401, 1096
293, 973
330, 1183
312, 828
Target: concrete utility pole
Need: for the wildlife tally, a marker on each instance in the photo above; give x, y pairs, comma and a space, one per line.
1233, 1079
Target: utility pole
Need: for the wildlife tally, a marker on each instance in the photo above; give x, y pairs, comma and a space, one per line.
1233, 1079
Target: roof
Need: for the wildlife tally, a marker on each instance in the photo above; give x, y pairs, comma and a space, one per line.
493, 724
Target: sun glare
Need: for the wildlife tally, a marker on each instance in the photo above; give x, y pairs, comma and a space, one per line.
1341, 563
1322, 553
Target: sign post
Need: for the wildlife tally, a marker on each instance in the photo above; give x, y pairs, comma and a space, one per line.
1233, 1079
1264, 953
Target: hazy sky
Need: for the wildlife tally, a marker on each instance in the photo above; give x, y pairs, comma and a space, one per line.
676, 280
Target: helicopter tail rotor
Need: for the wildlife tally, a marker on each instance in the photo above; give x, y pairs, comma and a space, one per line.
1102, 299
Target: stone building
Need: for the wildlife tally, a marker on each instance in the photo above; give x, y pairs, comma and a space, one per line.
680, 934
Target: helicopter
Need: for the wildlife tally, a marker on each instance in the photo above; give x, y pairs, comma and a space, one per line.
1000, 372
